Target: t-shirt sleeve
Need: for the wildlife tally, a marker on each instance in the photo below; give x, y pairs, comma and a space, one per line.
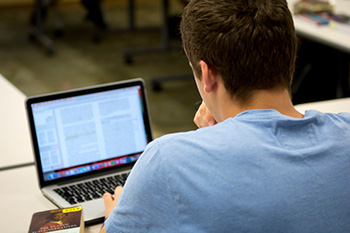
147, 197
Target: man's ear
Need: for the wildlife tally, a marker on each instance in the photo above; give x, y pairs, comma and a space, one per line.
209, 76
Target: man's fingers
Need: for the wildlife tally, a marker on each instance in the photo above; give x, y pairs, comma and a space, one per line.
118, 190
211, 122
107, 198
110, 201
203, 117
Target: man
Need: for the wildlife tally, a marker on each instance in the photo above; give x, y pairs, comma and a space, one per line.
260, 165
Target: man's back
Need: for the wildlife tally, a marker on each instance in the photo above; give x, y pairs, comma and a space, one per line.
260, 171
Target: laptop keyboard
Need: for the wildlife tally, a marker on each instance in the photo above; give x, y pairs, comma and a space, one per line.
90, 190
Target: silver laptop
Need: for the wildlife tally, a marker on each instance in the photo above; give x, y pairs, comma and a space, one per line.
86, 141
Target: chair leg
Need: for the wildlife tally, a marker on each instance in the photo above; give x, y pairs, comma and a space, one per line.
58, 23
37, 25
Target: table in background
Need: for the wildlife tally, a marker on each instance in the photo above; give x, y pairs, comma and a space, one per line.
323, 63
324, 34
331, 106
16, 149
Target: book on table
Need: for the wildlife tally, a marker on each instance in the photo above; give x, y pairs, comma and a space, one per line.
65, 220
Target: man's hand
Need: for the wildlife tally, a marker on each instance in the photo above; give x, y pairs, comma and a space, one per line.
111, 202
203, 117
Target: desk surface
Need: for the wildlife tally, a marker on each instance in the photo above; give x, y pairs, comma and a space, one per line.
20, 199
14, 137
332, 106
324, 34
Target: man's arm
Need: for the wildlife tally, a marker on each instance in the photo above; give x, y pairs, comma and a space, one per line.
110, 202
148, 195
103, 230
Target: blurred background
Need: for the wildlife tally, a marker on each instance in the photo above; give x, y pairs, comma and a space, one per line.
85, 55
83, 52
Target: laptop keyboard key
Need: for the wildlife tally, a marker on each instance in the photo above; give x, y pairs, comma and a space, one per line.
92, 189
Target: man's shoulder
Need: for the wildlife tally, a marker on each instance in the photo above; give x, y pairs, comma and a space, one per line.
329, 117
345, 116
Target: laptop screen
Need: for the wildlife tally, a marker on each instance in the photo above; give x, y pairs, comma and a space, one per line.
86, 132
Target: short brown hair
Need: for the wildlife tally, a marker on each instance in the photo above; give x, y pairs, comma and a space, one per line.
251, 43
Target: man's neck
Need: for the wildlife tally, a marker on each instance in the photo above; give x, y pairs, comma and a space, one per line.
278, 100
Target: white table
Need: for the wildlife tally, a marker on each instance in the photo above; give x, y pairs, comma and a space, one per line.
325, 34
15, 144
331, 106
21, 198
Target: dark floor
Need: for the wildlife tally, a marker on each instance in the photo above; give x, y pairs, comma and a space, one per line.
78, 61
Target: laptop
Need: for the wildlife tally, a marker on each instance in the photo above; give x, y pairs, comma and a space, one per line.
86, 141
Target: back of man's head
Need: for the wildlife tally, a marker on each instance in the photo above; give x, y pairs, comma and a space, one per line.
250, 43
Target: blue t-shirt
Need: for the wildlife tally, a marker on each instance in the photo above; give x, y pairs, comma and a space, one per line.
260, 171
